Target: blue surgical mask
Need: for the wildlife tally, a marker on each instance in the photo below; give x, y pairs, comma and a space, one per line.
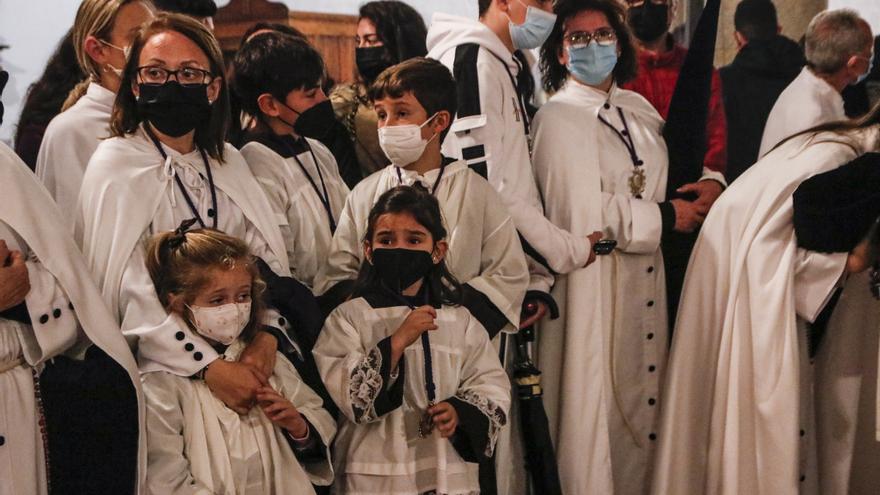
534, 31
591, 64
867, 72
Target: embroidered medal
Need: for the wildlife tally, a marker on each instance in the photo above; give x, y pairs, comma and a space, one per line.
637, 182
426, 425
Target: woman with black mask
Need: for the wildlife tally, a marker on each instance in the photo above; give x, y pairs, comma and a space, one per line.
167, 163
388, 33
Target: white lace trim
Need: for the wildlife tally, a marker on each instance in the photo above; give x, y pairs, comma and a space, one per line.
496, 416
365, 385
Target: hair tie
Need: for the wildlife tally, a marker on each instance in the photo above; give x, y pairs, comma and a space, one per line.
179, 236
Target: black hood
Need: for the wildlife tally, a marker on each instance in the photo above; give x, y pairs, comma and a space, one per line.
778, 57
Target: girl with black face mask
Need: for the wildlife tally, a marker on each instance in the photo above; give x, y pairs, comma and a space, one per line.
414, 374
388, 33
167, 163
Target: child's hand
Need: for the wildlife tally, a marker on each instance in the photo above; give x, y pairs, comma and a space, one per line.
281, 412
416, 323
445, 418
234, 383
261, 353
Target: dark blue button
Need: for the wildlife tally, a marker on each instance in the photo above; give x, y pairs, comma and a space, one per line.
650, 336
189, 347
282, 321
179, 336
44, 319
652, 368
2, 440
198, 356
56, 313
650, 303
652, 401
803, 433
650, 269
210, 212
606, 106
652, 436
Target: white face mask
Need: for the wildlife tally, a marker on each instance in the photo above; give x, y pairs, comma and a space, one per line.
403, 144
221, 323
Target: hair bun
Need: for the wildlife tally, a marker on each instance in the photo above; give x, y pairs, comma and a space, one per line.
179, 237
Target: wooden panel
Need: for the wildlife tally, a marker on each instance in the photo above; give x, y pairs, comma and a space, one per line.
331, 34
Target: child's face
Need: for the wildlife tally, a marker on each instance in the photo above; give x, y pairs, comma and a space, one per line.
402, 230
294, 104
405, 110
226, 286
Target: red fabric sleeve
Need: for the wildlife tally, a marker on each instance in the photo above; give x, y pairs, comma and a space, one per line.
716, 129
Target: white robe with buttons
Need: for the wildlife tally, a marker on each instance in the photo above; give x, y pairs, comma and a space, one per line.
737, 392
70, 139
59, 281
300, 214
603, 359
198, 446
128, 195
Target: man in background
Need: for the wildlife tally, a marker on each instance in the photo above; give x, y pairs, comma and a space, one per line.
765, 65
202, 10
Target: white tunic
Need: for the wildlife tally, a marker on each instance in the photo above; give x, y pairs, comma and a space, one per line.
497, 140
484, 250
129, 194
70, 139
603, 358
59, 281
736, 392
807, 102
301, 215
197, 445
378, 449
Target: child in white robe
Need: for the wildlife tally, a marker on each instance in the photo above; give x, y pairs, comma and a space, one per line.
419, 410
277, 79
196, 444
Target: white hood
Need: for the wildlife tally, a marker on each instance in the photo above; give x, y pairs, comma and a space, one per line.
449, 31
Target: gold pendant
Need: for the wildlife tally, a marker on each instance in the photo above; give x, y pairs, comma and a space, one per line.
426, 425
637, 182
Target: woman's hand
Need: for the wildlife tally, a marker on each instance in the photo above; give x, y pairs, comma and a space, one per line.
419, 321
445, 418
281, 412
14, 281
859, 258
261, 353
236, 384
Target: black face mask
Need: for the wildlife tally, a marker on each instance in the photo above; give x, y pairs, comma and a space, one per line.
648, 21
4, 78
174, 109
399, 268
371, 61
316, 122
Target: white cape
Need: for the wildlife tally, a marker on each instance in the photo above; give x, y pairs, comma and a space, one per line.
731, 409
29, 210
124, 183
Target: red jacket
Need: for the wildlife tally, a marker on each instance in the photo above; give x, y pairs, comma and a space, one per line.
656, 82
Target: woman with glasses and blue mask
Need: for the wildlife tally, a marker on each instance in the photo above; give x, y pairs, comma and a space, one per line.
601, 165
167, 163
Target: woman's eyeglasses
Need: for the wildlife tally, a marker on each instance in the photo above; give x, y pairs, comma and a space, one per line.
186, 76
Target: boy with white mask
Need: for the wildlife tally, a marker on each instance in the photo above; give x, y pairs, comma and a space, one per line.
415, 102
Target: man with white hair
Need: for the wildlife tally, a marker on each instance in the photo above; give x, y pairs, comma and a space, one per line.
839, 49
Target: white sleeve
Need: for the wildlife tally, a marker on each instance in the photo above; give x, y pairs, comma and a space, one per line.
816, 276
309, 404
54, 327
168, 470
562, 250
161, 342
636, 224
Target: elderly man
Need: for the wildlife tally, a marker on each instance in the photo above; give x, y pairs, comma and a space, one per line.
839, 49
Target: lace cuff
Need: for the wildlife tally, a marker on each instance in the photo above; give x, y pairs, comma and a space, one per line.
370, 398
480, 421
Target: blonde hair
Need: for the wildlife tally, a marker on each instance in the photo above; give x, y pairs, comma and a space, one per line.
93, 18
180, 264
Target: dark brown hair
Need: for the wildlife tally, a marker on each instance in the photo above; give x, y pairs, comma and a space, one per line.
429, 81
399, 26
443, 287
554, 73
211, 134
180, 263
